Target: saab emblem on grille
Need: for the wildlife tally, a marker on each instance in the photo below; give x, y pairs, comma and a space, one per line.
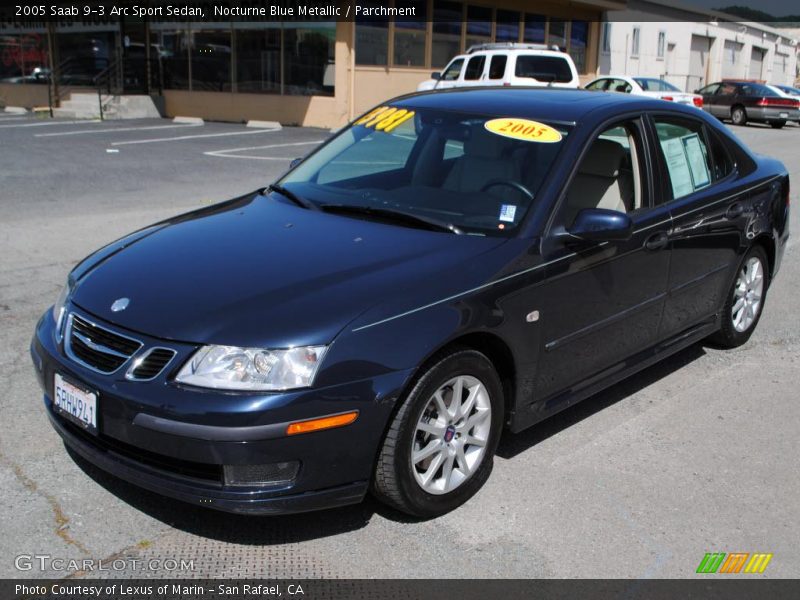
120, 304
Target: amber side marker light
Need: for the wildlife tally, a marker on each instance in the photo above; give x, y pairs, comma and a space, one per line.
321, 423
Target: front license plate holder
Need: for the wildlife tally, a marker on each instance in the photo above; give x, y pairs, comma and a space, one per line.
76, 403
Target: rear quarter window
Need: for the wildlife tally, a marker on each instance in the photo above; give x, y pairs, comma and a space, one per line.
543, 68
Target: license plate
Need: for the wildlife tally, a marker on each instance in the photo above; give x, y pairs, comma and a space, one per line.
784, 115
77, 404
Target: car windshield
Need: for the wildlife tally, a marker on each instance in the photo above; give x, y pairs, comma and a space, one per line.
477, 173
649, 84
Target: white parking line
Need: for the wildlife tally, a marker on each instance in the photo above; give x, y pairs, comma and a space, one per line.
51, 123
194, 137
4, 119
227, 153
112, 130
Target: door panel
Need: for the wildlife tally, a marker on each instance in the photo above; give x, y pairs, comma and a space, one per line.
707, 221
602, 305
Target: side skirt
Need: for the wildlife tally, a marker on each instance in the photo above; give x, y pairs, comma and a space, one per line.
542, 409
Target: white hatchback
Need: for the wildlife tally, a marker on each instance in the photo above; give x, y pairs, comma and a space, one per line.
645, 86
510, 64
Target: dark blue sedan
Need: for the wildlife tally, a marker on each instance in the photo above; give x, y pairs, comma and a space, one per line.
450, 266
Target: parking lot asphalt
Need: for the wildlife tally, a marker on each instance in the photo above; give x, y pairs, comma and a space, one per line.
697, 454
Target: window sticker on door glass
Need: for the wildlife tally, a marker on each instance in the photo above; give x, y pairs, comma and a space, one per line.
507, 212
697, 161
678, 164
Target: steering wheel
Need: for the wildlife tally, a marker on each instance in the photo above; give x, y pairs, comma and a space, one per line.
509, 183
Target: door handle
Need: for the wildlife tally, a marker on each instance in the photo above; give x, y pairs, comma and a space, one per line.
734, 211
657, 241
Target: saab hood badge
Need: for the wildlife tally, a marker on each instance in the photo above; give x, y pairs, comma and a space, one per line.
120, 304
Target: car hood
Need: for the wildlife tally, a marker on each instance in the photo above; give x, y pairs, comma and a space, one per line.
259, 272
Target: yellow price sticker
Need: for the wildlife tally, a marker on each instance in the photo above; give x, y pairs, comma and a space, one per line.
385, 118
523, 129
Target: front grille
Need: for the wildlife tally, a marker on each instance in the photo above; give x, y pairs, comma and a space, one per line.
150, 364
97, 347
208, 473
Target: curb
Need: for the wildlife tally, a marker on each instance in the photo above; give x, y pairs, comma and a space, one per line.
189, 120
264, 124
16, 110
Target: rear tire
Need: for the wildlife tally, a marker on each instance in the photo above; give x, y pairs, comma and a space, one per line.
777, 124
745, 301
440, 446
739, 115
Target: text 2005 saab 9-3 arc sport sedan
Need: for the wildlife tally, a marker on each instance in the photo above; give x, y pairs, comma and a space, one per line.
449, 266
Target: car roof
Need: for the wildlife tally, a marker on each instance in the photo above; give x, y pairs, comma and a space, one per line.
555, 104
514, 52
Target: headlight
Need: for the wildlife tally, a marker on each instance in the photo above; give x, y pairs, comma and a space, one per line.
232, 368
60, 307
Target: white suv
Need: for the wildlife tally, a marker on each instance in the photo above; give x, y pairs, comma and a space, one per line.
506, 64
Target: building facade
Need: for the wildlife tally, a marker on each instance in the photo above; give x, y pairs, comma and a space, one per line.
323, 73
692, 48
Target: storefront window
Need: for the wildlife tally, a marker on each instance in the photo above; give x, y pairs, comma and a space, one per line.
558, 34
372, 40
409, 36
258, 59
174, 48
507, 28
211, 59
534, 28
479, 25
23, 58
578, 40
447, 17
308, 59
84, 55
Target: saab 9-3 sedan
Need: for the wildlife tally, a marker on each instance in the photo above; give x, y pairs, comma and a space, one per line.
449, 268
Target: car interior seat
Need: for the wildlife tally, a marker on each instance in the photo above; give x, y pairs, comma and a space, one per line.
487, 157
603, 180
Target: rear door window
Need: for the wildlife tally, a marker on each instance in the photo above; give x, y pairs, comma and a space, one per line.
543, 68
684, 149
497, 66
474, 68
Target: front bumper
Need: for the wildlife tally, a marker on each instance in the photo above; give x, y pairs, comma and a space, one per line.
175, 440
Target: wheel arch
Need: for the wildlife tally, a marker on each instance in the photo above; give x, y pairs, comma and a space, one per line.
768, 244
490, 345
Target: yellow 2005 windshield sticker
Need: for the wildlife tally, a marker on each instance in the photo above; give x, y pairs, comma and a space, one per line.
522, 129
385, 118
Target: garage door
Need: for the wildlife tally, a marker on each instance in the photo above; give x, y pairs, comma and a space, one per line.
757, 63
698, 61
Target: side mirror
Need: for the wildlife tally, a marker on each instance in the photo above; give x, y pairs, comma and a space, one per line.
601, 225
295, 162
436, 76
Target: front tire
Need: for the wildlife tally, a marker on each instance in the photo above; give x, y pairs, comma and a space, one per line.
440, 446
745, 300
739, 115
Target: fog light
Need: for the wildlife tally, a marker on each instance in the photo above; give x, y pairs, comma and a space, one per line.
281, 473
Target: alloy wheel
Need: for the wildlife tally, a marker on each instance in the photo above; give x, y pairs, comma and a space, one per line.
747, 294
451, 435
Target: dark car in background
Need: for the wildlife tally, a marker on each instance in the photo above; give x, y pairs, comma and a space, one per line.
743, 101
449, 266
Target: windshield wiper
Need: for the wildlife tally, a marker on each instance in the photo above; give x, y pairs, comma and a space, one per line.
388, 214
276, 187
